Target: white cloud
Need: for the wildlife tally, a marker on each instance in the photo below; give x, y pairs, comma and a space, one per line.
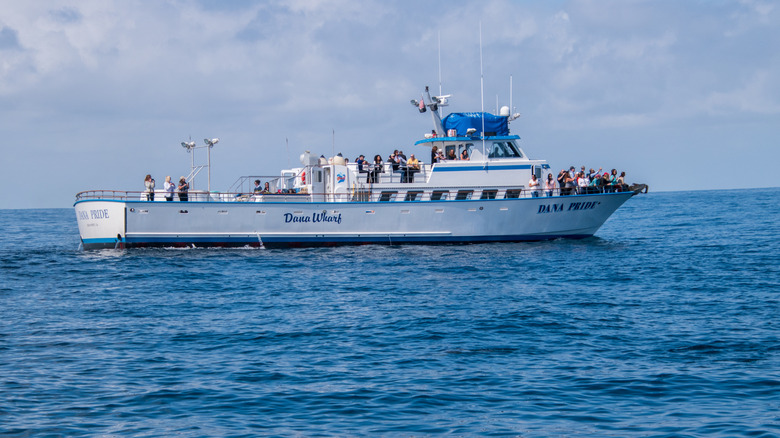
757, 95
129, 78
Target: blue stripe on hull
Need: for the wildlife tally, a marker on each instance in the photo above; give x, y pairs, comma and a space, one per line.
287, 242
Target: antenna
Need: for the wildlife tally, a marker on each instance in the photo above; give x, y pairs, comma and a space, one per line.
512, 115
482, 88
440, 92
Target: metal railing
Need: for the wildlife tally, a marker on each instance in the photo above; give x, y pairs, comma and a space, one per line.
360, 193
387, 174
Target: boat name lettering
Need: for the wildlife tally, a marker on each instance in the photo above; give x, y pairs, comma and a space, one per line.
93, 214
557, 208
314, 218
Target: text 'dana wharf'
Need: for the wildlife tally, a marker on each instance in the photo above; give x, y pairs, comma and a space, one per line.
574, 206
314, 218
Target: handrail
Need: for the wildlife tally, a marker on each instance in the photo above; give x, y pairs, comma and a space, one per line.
363, 193
276, 182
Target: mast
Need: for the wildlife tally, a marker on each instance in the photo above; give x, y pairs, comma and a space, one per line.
434, 105
482, 88
440, 92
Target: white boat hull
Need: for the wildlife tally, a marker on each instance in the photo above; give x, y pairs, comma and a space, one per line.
127, 224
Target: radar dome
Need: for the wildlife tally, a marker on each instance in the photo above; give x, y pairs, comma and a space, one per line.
504, 112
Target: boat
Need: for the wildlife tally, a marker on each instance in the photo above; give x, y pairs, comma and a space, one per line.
329, 201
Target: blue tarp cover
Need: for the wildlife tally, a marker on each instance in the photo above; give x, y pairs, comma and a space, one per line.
499, 125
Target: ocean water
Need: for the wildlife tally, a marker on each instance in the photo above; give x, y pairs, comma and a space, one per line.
663, 324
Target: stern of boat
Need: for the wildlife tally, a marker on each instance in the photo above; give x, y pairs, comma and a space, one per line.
101, 223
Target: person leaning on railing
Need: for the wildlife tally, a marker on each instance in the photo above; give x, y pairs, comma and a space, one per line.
149, 187
549, 185
183, 188
412, 166
533, 185
376, 169
169, 187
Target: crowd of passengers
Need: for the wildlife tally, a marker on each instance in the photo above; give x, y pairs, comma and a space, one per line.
568, 182
572, 182
407, 167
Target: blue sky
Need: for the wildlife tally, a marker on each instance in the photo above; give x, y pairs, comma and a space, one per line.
682, 95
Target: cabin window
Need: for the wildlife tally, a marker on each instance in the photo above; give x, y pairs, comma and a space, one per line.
463, 195
504, 149
450, 148
465, 147
515, 150
488, 194
439, 195
512, 193
413, 196
387, 196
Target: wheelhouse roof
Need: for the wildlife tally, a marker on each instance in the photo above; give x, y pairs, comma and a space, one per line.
462, 139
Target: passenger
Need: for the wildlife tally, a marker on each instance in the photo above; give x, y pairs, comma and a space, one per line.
582, 183
169, 188
621, 182
562, 181
440, 156
401, 160
412, 166
266, 188
183, 189
451, 155
595, 184
533, 185
571, 184
394, 160
572, 172
605, 183
149, 187
549, 185
257, 188
613, 180
362, 164
434, 153
376, 169
464, 155
433, 133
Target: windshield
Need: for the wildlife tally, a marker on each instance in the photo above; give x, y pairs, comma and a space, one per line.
504, 149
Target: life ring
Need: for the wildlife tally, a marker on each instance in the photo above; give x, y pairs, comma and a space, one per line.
303, 178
